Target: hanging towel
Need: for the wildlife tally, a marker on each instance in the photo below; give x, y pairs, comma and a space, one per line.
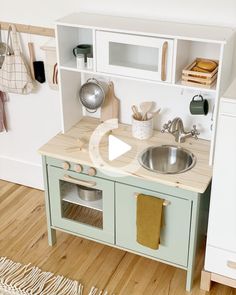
149, 220
3, 123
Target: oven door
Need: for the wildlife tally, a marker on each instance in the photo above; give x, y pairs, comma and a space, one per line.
82, 204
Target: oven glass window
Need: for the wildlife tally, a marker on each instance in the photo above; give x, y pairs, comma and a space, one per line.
81, 204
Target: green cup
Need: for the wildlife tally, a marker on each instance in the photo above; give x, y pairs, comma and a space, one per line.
198, 105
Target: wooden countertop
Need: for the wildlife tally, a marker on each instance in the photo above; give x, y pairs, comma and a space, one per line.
67, 147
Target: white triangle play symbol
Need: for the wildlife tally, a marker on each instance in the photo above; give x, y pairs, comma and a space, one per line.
116, 147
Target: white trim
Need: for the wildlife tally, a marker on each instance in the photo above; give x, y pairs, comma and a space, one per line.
148, 27
22, 172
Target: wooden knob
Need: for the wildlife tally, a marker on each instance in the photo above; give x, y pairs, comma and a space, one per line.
78, 168
66, 165
92, 171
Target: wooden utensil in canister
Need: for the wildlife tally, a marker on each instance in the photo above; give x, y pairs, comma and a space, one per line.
137, 114
146, 107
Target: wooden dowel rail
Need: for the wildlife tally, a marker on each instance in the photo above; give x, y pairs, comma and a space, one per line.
165, 203
34, 30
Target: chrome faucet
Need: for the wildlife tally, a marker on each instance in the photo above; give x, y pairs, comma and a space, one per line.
176, 128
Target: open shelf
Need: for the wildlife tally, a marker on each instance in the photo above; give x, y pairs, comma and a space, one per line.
68, 39
196, 88
70, 195
188, 51
70, 65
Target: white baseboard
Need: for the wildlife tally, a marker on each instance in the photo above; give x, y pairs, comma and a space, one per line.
25, 173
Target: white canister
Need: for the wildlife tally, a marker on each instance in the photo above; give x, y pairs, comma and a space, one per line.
90, 63
80, 61
142, 129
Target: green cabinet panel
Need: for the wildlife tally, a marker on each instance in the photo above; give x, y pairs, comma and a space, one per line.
175, 232
185, 217
105, 230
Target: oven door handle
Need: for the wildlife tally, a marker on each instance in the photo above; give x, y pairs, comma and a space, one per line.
79, 181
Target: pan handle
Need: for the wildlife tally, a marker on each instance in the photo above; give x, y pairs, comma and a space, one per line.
91, 111
93, 79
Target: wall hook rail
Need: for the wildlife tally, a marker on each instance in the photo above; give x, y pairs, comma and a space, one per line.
28, 29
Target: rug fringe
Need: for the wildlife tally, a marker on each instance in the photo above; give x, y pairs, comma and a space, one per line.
17, 279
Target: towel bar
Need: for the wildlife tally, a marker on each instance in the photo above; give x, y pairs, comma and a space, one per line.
165, 203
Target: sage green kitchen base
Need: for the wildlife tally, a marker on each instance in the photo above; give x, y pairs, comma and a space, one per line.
185, 216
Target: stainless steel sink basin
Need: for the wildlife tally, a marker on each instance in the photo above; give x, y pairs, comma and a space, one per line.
167, 159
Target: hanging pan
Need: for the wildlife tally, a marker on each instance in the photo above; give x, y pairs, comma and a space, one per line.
92, 95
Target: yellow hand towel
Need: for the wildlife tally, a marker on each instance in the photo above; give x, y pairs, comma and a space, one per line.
149, 220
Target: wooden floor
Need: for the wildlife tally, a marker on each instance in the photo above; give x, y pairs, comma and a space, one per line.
23, 238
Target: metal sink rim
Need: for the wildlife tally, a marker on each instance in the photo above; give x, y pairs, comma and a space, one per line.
194, 159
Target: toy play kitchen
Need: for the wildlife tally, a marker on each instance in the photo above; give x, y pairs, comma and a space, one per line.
164, 175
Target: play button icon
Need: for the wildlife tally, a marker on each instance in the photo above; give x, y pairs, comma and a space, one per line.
116, 147
113, 149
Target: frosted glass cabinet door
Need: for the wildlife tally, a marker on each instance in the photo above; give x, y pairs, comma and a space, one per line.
136, 56
222, 218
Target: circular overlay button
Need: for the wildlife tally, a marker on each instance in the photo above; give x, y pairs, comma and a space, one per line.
108, 149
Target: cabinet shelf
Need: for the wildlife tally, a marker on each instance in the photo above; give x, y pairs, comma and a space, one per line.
71, 195
197, 88
69, 67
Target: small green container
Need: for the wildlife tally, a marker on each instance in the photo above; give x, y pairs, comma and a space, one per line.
83, 49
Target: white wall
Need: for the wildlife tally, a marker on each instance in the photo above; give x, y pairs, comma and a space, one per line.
222, 12
33, 119
174, 102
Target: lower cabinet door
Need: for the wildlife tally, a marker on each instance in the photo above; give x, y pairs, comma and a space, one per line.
174, 241
82, 204
221, 262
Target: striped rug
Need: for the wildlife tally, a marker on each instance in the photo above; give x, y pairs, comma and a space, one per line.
18, 279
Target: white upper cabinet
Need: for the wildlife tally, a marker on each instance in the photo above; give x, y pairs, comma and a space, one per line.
143, 57
151, 52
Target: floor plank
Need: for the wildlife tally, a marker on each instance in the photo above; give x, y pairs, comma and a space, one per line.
23, 238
